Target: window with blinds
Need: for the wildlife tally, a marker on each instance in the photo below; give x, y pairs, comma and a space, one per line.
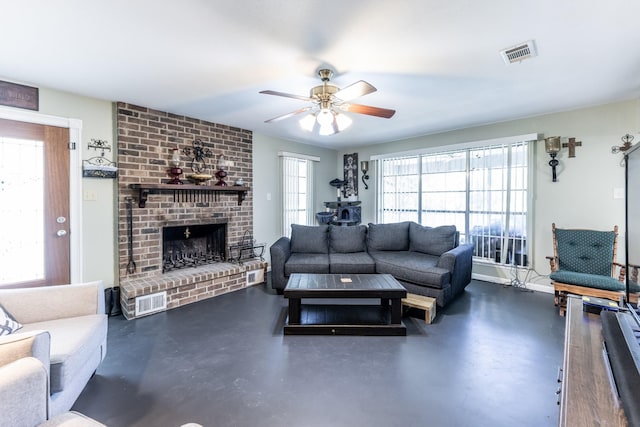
481, 189
297, 191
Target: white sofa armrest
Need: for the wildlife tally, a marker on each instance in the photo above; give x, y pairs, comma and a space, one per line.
31, 305
24, 393
19, 345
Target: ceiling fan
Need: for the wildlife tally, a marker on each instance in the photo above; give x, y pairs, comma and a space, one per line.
329, 103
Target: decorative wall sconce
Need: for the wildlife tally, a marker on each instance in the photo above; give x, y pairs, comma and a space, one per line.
552, 147
221, 174
364, 166
198, 154
626, 139
99, 166
175, 171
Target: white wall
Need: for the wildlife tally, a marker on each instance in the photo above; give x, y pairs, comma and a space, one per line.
581, 198
267, 214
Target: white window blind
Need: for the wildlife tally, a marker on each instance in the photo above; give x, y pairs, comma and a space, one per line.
297, 190
480, 188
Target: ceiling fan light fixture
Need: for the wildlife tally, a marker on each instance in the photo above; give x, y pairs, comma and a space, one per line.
325, 117
343, 121
308, 122
326, 130
328, 102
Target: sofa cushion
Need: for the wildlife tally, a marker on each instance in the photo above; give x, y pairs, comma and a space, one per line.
347, 239
73, 341
413, 267
8, 324
606, 283
585, 251
432, 240
309, 239
307, 263
388, 237
351, 263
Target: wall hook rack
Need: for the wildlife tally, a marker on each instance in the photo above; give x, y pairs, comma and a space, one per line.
99, 144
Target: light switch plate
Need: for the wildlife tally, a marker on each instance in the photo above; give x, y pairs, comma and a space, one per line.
618, 193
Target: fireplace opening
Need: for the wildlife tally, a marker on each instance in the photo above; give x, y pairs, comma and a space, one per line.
193, 245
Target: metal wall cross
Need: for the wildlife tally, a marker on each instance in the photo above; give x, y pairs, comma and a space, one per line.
572, 144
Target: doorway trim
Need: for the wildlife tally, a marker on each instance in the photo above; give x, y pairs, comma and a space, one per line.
75, 181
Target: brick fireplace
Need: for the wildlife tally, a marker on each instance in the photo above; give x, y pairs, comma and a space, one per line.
146, 139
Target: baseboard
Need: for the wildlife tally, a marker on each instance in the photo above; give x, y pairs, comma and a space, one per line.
502, 281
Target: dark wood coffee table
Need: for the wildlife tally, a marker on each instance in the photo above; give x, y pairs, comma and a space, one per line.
345, 319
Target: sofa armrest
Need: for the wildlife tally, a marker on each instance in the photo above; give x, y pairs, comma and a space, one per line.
18, 345
24, 392
459, 261
31, 305
280, 252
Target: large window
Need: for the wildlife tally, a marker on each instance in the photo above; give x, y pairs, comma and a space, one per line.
297, 190
481, 188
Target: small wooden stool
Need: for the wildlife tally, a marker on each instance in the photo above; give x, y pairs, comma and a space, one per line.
424, 303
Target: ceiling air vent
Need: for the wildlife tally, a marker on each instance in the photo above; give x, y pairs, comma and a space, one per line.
519, 52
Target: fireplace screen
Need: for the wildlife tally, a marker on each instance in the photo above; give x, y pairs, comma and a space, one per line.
193, 245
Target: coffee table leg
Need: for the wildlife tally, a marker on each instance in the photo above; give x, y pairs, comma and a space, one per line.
396, 311
294, 311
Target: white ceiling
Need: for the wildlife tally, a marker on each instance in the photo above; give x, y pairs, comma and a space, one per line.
435, 62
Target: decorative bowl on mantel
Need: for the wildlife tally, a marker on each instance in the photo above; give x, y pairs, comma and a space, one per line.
199, 178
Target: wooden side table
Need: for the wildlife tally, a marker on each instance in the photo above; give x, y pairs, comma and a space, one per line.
424, 303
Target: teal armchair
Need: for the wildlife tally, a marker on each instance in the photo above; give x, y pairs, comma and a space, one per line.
584, 263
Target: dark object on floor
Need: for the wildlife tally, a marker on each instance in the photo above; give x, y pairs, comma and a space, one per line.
112, 305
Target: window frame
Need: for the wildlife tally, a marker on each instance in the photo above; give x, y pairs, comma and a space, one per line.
467, 147
309, 212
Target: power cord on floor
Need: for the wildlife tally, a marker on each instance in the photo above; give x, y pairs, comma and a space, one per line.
516, 282
530, 276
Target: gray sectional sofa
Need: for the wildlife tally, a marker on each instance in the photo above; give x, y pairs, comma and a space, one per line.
426, 260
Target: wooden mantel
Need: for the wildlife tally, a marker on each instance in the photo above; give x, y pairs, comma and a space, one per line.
187, 192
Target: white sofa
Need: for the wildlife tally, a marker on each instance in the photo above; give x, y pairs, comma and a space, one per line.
24, 396
64, 327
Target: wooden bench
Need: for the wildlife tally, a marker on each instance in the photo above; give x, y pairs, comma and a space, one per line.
423, 303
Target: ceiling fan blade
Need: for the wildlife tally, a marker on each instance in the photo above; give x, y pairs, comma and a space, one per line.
359, 88
371, 111
286, 95
286, 116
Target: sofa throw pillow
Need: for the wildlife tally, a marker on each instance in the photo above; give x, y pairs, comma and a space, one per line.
346, 240
432, 240
388, 237
8, 324
309, 239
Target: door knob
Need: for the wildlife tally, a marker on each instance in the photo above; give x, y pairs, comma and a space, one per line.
61, 233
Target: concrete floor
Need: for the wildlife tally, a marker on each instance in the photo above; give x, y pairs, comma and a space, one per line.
490, 359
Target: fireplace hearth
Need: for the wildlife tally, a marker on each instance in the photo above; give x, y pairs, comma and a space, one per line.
193, 245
